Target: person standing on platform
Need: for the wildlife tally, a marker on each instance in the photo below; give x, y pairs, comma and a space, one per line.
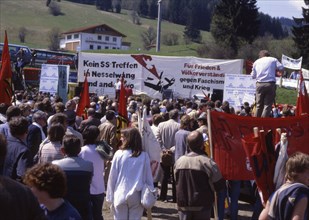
264, 71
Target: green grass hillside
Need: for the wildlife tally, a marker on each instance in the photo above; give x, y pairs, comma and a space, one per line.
35, 17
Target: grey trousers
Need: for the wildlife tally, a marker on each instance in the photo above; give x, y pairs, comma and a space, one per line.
265, 97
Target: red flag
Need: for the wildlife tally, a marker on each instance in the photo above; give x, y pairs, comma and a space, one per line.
228, 130
302, 104
261, 154
122, 110
84, 101
6, 91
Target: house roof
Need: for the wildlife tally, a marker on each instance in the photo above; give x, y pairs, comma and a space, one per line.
102, 28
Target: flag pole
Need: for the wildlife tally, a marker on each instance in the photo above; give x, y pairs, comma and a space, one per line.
212, 156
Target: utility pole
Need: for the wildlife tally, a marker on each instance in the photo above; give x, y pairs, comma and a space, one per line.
159, 27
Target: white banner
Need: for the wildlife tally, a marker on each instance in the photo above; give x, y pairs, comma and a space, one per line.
290, 83
239, 89
49, 78
54, 79
185, 76
290, 63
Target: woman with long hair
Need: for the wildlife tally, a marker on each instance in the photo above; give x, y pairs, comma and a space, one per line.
129, 172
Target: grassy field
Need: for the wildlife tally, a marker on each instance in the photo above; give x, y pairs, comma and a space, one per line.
35, 17
286, 96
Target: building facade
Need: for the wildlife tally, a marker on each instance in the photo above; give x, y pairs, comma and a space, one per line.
97, 37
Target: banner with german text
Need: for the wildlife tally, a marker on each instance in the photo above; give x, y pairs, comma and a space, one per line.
152, 75
228, 129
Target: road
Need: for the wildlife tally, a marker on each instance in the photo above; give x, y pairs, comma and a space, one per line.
168, 210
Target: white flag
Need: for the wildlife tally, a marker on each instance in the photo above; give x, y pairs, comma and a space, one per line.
290, 63
150, 143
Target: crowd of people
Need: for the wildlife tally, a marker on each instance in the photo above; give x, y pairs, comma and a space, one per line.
50, 168
49, 147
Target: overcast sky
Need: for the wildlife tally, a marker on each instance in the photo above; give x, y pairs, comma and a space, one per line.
281, 8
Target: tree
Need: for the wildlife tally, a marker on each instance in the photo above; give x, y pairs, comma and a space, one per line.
269, 25
235, 23
149, 38
301, 35
22, 34
192, 32
54, 9
105, 5
135, 18
153, 9
177, 11
54, 39
117, 6
143, 8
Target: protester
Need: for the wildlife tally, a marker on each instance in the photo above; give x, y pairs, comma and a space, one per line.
129, 172
97, 186
291, 200
12, 111
264, 71
181, 137
71, 128
108, 130
36, 134
50, 148
59, 108
117, 88
295, 75
79, 171
197, 177
3, 108
14, 194
166, 138
18, 157
48, 184
91, 120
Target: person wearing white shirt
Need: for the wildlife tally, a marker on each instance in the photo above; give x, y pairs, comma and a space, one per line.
264, 71
117, 88
129, 172
97, 186
295, 75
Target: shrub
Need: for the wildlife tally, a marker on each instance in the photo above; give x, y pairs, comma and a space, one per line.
54, 39
54, 9
170, 39
149, 38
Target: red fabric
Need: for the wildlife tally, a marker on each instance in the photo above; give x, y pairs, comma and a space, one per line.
227, 131
84, 101
261, 154
302, 104
122, 110
249, 65
6, 91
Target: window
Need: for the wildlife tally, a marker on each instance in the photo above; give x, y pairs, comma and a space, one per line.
99, 47
106, 47
107, 38
69, 37
114, 48
90, 47
76, 36
99, 37
114, 39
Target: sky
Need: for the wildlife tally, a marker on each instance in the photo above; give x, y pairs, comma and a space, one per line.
281, 8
